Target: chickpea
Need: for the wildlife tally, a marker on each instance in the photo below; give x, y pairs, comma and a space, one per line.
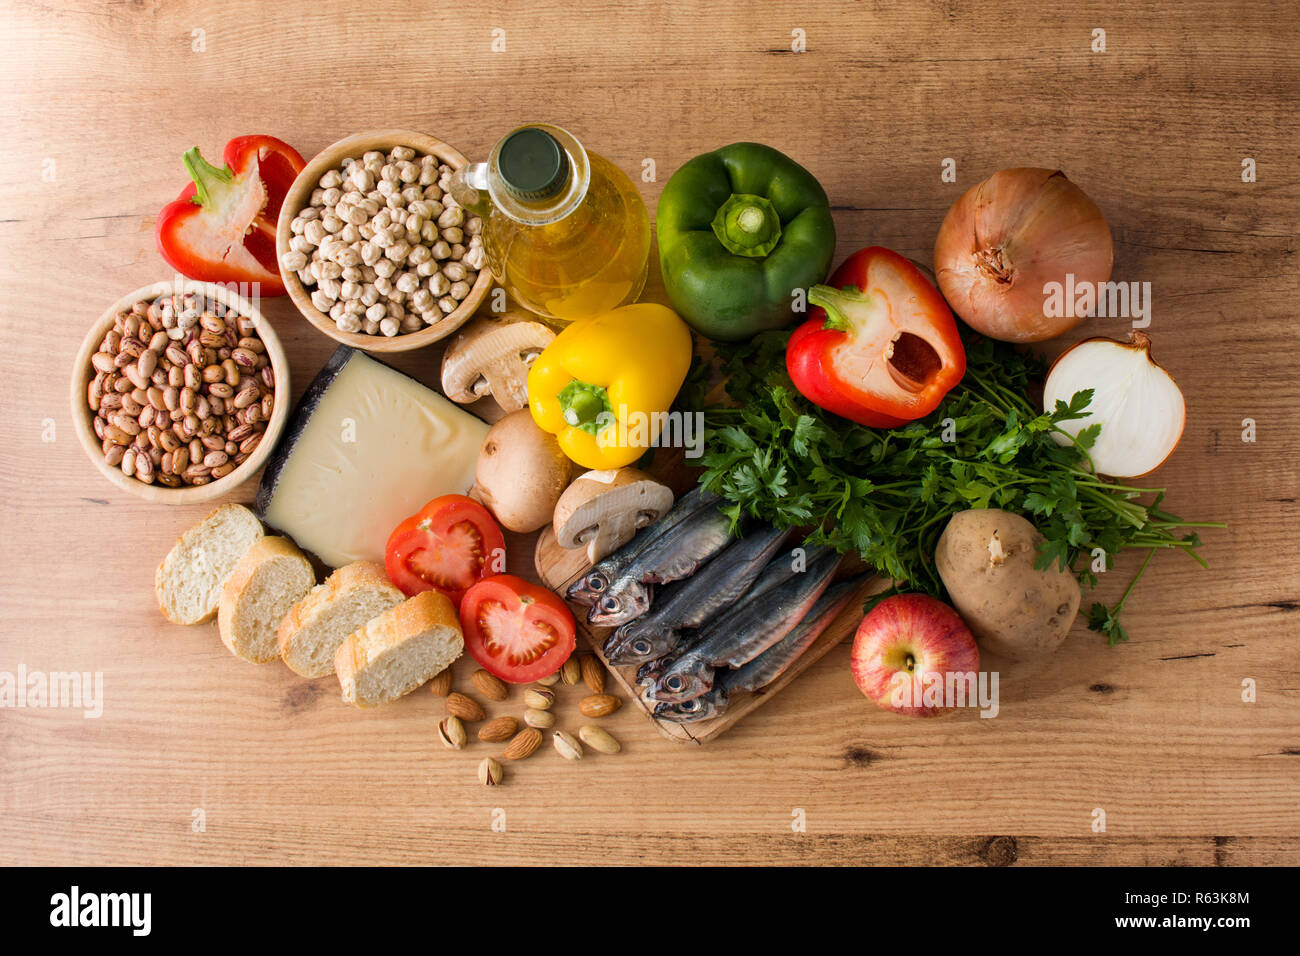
386, 249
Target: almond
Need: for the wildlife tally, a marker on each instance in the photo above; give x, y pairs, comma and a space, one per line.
466, 708
498, 729
593, 673
489, 685
524, 744
599, 705
441, 683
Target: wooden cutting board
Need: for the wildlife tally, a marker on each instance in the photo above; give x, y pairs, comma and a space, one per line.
559, 567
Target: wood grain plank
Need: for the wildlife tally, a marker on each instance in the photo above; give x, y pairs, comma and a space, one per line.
1154, 732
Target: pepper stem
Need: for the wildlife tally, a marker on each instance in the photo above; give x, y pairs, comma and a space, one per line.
836, 302
747, 225
585, 406
205, 176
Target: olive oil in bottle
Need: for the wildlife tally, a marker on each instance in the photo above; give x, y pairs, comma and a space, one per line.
565, 230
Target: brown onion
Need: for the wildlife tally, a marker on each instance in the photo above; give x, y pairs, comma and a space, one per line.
1005, 239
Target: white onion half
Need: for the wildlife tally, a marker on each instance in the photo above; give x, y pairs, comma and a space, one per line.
1136, 402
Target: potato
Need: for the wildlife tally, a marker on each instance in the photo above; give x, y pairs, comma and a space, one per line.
986, 560
521, 473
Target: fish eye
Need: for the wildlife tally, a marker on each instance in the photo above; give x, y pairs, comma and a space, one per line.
641, 647
596, 582
674, 683
690, 706
610, 604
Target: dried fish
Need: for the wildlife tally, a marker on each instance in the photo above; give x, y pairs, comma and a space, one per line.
671, 557
588, 589
694, 601
745, 631
776, 660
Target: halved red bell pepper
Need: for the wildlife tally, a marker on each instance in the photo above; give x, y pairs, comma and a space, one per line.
222, 228
881, 348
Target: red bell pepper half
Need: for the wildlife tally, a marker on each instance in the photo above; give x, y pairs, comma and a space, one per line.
222, 228
881, 348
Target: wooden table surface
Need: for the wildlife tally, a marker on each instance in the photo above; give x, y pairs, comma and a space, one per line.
202, 758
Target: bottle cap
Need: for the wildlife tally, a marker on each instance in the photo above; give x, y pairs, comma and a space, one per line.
533, 165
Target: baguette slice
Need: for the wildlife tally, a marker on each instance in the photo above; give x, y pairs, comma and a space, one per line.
270, 578
314, 628
189, 580
398, 651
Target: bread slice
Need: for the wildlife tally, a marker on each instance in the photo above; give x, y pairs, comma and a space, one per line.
188, 582
398, 651
314, 628
269, 579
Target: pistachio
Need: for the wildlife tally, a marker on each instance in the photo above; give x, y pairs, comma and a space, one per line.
567, 747
452, 733
599, 739
539, 699
490, 772
571, 671
539, 718
550, 680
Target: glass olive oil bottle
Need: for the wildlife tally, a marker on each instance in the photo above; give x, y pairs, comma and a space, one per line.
565, 230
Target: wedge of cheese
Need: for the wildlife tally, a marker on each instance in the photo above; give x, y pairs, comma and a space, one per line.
366, 447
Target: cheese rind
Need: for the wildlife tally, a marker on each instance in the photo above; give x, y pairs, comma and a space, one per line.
366, 447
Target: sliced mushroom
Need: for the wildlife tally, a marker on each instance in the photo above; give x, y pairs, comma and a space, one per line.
602, 510
492, 357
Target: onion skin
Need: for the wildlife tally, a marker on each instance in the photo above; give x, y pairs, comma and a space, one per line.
1006, 238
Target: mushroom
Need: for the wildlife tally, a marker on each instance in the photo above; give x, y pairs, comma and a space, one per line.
602, 510
520, 473
492, 357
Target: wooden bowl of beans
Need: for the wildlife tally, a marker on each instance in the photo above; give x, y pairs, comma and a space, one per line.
373, 250
180, 391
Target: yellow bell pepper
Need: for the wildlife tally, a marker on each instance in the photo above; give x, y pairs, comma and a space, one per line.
602, 386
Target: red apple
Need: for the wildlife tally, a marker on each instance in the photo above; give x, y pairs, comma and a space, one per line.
905, 638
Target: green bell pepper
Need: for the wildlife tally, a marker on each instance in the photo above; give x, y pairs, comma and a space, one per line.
739, 230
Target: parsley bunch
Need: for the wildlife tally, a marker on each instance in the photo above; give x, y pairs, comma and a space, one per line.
887, 494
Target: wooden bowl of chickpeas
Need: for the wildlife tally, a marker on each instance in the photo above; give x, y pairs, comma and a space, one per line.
372, 249
180, 391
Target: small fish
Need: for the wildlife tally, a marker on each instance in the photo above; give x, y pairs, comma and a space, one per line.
776, 660
671, 557
782, 568
709, 704
691, 603
650, 643
649, 672
745, 631
588, 588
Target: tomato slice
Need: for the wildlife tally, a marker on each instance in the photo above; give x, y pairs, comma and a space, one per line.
518, 631
447, 546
